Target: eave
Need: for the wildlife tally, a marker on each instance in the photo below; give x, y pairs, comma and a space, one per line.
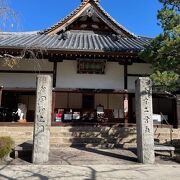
55, 55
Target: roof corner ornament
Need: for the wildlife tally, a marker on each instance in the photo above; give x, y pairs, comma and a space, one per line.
64, 34
90, 12
97, 1
117, 37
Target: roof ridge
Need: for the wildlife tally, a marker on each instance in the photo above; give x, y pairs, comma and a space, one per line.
20, 33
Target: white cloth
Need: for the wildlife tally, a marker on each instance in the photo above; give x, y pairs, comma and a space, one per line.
22, 111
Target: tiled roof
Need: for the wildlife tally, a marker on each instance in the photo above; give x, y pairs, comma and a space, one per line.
74, 41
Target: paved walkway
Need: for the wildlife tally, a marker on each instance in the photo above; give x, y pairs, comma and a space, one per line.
92, 156
94, 172
91, 164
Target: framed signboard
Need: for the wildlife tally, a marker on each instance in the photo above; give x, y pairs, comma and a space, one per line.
90, 66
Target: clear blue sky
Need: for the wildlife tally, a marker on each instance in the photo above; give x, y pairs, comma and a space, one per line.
138, 16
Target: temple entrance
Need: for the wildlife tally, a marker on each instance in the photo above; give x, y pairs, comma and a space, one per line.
85, 106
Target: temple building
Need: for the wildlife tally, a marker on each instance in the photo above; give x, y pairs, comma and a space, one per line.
94, 63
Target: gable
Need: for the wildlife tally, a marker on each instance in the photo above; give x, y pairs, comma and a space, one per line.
91, 22
89, 16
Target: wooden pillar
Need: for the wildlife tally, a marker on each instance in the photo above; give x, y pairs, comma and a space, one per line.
125, 95
1, 89
53, 106
126, 110
125, 76
54, 73
178, 110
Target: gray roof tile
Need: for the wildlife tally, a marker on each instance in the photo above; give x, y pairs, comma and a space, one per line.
76, 40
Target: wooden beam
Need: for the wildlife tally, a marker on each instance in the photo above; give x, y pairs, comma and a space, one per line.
1, 89
125, 76
178, 110
25, 72
54, 73
58, 55
137, 75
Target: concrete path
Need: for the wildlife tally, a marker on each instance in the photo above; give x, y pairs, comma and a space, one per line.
93, 172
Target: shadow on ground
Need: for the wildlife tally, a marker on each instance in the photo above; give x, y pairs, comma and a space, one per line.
111, 154
89, 156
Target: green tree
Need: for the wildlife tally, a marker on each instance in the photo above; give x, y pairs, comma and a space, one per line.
164, 51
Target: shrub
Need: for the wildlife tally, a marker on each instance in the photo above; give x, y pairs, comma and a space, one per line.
6, 145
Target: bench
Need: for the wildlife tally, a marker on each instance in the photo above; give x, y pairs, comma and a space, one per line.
24, 147
170, 149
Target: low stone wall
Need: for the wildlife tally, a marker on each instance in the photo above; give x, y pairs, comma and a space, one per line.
101, 136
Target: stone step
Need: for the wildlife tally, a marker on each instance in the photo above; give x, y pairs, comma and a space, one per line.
120, 139
129, 145
87, 135
92, 134
87, 145
92, 128
80, 140
87, 129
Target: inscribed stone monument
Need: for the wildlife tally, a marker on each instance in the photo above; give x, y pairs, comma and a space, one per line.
145, 134
42, 119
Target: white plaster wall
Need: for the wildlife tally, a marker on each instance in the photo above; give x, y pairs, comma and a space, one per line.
131, 83
13, 80
18, 80
137, 68
67, 77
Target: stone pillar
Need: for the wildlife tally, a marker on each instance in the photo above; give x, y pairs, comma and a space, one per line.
41, 139
178, 109
144, 122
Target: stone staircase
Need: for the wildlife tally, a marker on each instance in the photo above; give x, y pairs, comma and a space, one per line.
89, 136
162, 136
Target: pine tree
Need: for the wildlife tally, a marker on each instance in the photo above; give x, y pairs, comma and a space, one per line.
164, 51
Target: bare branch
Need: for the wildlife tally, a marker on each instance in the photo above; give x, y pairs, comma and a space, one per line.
8, 17
34, 53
